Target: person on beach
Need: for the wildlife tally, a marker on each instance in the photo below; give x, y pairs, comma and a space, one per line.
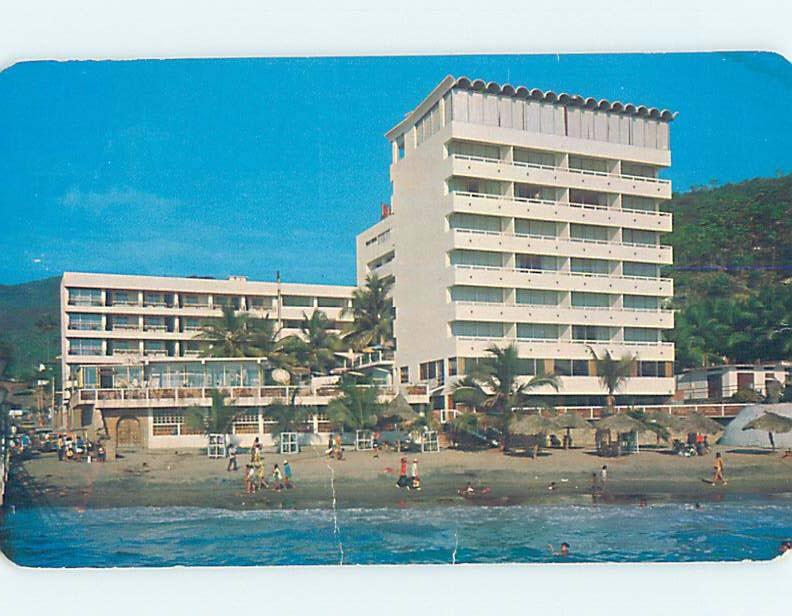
277, 478
403, 482
61, 448
287, 475
415, 480
232, 458
339, 451
255, 452
718, 470
250, 479
101, 452
261, 477
603, 475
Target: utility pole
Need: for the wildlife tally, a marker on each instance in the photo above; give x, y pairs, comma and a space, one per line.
279, 299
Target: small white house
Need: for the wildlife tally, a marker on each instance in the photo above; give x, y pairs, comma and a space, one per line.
721, 382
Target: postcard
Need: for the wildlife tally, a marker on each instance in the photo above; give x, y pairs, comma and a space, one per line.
396, 310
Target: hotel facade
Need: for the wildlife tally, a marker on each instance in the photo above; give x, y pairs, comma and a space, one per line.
527, 217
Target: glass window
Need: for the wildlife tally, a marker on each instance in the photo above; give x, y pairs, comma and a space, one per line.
641, 302
298, 300
85, 346
331, 302
644, 171
534, 191
639, 236
473, 149
582, 299
590, 266
190, 300
124, 298
404, 374
477, 329
588, 232
526, 366
563, 367
85, 297
593, 333
641, 334
537, 331
541, 228
534, 157
482, 258
587, 197
537, 297
644, 204
641, 270
484, 295
475, 222
85, 322
580, 367
588, 164
536, 262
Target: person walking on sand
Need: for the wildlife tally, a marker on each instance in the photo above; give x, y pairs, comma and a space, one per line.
232, 458
415, 480
277, 478
255, 452
403, 482
250, 479
718, 470
603, 475
261, 476
287, 475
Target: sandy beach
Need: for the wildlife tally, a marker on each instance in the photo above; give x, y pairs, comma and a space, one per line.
189, 478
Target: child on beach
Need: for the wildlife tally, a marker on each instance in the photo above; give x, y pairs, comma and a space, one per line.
287, 475
415, 481
277, 477
250, 479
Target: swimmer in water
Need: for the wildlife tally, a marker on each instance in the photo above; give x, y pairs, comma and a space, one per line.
564, 551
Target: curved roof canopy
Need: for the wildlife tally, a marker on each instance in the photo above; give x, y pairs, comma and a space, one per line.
549, 96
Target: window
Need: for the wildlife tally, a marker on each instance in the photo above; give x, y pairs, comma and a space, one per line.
85, 297
588, 164
259, 303
85, 346
476, 150
580, 367
475, 222
481, 258
452, 366
400, 146
540, 228
154, 299
590, 333
590, 266
651, 368
534, 191
123, 298
537, 297
483, 295
640, 270
641, 334
537, 331
432, 370
476, 186
331, 302
124, 321
638, 236
536, 262
526, 366
644, 204
123, 347
582, 299
644, 171
298, 300
587, 197
477, 329
563, 367
222, 300
85, 322
588, 232
641, 302
534, 157
404, 374
194, 301
154, 324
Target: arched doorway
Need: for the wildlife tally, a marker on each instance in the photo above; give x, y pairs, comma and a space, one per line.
128, 432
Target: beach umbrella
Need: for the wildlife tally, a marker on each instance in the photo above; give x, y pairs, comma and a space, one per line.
700, 424
665, 420
400, 409
570, 421
534, 424
621, 423
770, 422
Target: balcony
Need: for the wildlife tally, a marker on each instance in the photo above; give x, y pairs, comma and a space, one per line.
544, 209
515, 171
571, 247
476, 346
554, 280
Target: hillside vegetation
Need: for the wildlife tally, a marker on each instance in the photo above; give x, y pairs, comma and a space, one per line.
733, 272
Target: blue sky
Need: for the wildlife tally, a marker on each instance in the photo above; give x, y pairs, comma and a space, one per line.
220, 167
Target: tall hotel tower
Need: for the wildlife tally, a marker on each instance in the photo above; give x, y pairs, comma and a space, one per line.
528, 217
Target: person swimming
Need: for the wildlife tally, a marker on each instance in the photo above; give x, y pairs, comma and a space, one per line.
563, 552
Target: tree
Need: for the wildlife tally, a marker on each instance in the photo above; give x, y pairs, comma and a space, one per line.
287, 415
47, 325
493, 387
316, 349
613, 373
357, 408
217, 419
372, 313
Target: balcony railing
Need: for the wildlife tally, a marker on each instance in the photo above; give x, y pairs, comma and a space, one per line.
559, 307
515, 339
581, 240
557, 203
497, 268
519, 164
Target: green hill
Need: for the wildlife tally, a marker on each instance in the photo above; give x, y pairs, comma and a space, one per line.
733, 272
30, 324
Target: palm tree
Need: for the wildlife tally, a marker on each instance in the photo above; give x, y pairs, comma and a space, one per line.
317, 347
234, 335
357, 408
372, 312
287, 415
217, 419
613, 373
493, 387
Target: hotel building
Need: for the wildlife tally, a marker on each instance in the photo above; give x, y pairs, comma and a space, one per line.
527, 217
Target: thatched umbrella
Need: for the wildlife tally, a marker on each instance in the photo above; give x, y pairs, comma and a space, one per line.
534, 424
621, 423
700, 424
665, 420
400, 409
770, 422
570, 421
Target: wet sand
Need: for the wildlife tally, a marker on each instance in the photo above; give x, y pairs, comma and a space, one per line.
189, 478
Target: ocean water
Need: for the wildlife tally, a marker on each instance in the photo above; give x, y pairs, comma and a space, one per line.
156, 537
